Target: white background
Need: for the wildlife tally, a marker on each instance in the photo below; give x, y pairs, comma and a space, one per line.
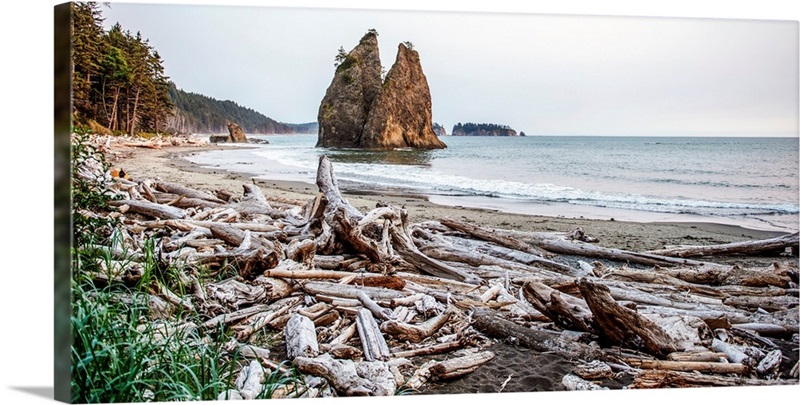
26, 268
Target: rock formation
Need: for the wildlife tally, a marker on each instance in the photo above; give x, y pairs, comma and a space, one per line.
236, 134
439, 130
361, 111
344, 109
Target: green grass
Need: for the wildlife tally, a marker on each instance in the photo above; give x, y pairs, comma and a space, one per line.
119, 351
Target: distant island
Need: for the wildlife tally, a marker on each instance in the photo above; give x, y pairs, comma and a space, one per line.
473, 129
439, 130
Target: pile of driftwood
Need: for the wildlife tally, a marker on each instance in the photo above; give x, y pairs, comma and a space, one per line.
363, 300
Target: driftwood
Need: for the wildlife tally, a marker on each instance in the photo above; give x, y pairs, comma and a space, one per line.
301, 338
622, 325
705, 367
737, 248
372, 341
348, 377
150, 209
350, 289
416, 333
534, 338
459, 366
678, 379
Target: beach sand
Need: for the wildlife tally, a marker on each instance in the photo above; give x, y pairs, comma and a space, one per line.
525, 370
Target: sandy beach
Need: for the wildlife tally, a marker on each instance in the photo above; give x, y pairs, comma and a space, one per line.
168, 164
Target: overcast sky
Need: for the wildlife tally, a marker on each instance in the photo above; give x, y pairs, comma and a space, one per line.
542, 74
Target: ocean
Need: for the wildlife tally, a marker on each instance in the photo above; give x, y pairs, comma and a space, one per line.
750, 182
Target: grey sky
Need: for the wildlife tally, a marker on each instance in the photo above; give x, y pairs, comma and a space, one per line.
542, 74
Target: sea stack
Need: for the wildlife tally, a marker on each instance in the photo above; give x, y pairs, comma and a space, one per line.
360, 110
356, 83
235, 134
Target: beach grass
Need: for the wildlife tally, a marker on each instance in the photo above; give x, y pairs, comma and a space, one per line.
121, 350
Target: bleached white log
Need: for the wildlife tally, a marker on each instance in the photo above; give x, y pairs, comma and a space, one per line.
301, 337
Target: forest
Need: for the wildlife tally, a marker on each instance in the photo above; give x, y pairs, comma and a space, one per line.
471, 128
196, 113
120, 87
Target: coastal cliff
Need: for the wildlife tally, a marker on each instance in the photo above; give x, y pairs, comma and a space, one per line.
360, 110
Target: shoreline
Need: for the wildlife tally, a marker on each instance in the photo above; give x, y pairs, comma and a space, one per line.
170, 164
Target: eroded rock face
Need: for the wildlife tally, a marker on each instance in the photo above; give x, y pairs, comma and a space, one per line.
236, 134
360, 110
401, 115
345, 107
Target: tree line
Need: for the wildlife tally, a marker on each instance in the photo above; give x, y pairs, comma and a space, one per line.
202, 114
471, 127
119, 86
118, 77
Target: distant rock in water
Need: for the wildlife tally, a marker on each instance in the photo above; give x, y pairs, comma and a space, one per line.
472, 129
236, 134
439, 130
360, 110
522, 133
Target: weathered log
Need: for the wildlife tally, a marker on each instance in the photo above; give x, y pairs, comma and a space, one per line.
766, 329
572, 382
302, 252
560, 245
535, 255
406, 248
232, 317
373, 306
350, 291
416, 333
346, 334
428, 350
769, 304
731, 275
150, 209
593, 370
565, 310
732, 352
349, 378
261, 321
622, 325
235, 294
340, 351
679, 379
654, 277
372, 341
703, 367
534, 338
184, 202
179, 189
769, 363
329, 187
249, 381
703, 356
736, 248
437, 283
301, 337
359, 279
460, 366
